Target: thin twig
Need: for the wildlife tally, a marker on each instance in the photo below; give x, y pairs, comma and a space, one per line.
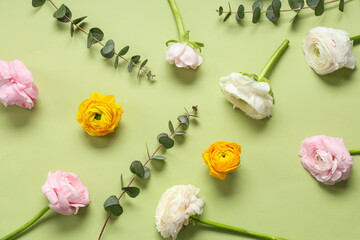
113, 51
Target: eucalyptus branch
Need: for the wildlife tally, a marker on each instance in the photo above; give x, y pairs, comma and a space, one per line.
95, 35
112, 205
274, 9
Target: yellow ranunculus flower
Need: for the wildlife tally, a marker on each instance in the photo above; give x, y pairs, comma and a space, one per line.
99, 115
222, 158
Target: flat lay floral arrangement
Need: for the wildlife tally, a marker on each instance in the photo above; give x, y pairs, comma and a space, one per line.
195, 146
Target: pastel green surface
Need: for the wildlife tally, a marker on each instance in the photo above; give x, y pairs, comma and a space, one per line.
270, 193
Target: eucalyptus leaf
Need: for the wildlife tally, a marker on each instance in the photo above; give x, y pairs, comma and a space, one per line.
228, 14
341, 5
167, 142
183, 119
256, 15
257, 4
178, 133
116, 64
89, 39
221, 10
136, 167
143, 64
38, 3
158, 158
296, 5
61, 15
108, 50
162, 135
319, 10
312, 3
111, 205
240, 13
135, 59
276, 6
96, 34
60, 12
171, 127
147, 173
123, 51
121, 181
132, 191
130, 67
79, 20
72, 29
147, 151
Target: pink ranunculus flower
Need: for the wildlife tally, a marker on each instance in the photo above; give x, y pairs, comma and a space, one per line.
326, 158
17, 85
183, 56
65, 192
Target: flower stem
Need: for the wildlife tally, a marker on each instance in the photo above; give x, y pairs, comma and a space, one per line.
274, 58
235, 229
355, 38
26, 225
354, 152
178, 20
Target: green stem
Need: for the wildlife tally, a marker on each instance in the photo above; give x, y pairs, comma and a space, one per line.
235, 229
178, 19
354, 152
26, 225
273, 59
355, 38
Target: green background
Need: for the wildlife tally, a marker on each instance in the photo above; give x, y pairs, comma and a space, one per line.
270, 193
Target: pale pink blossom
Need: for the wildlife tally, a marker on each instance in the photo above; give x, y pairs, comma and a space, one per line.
183, 56
17, 85
326, 158
65, 192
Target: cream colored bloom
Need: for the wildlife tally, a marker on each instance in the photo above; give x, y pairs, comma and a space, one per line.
175, 207
327, 49
250, 96
183, 56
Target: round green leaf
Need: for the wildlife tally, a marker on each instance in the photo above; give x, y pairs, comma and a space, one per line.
111, 205
108, 50
319, 10
276, 6
161, 135
132, 191
296, 5
171, 127
257, 4
240, 13
270, 14
63, 14
166, 142
183, 119
97, 34
79, 20
136, 167
312, 3
221, 10
38, 3
147, 173
256, 15
341, 5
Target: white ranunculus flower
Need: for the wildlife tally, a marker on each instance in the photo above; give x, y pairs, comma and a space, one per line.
248, 95
327, 49
175, 207
183, 56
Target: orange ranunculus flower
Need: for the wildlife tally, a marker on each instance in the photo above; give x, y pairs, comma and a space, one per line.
222, 158
99, 115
